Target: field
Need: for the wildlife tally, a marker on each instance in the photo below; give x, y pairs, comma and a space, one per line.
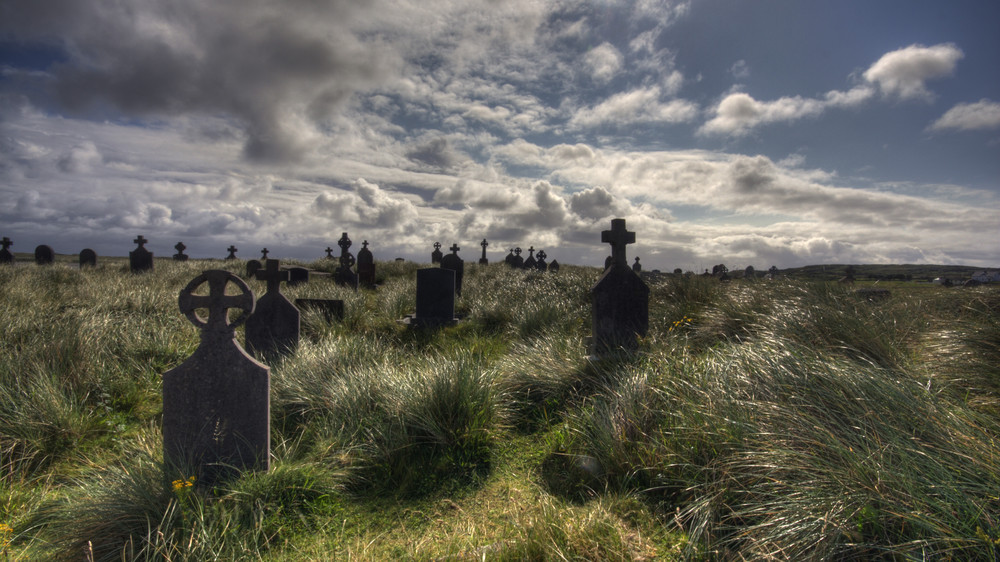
784, 419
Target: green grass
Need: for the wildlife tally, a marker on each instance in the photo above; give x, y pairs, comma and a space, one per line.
786, 419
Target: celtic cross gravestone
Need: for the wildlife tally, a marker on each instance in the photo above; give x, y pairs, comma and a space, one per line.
275, 323
180, 255
483, 260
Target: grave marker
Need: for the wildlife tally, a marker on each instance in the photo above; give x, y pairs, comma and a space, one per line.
329, 253
180, 255
366, 267
297, 275
509, 260
530, 263
274, 326
5, 255
483, 260
540, 264
554, 266
637, 267
44, 255
88, 258
232, 252
345, 276
436, 254
216, 404
252, 267
456, 264
140, 259
620, 298
518, 261
435, 298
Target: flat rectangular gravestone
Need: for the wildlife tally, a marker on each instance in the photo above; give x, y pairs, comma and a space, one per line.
274, 326
216, 404
435, 298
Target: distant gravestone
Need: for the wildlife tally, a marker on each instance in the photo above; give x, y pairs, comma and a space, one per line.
140, 259
180, 255
297, 275
456, 264
530, 263
263, 254
88, 258
216, 404
554, 266
332, 310
274, 326
540, 264
749, 273
44, 255
509, 260
620, 298
329, 253
366, 267
344, 275
5, 255
637, 267
252, 267
483, 260
232, 252
435, 298
436, 254
518, 261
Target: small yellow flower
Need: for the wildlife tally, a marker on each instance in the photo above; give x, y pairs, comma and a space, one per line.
180, 484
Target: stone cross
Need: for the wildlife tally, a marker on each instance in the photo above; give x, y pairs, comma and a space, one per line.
637, 267
618, 237
456, 264
329, 253
216, 404
232, 252
140, 259
274, 326
5, 255
180, 255
540, 264
510, 258
140, 241
530, 263
345, 275
263, 254
366, 267
483, 260
436, 254
518, 261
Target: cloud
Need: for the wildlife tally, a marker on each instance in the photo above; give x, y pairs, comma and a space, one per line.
984, 114
436, 153
740, 70
903, 72
604, 61
737, 114
642, 105
369, 206
80, 159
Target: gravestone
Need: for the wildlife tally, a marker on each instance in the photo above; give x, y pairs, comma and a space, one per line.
366, 267
435, 298
456, 264
297, 275
88, 258
330, 309
44, 255
554, 266
540, 264
518, 261
483, 260
216, 404
232, 252
530, 263
273, 328
509, 260
749, 273
140, 259
620, 298
5, 255
637, 267
252, 267
329, 253
344, 275
436, 254
180, 255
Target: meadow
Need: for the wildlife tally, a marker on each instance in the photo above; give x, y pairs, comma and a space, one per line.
786, 420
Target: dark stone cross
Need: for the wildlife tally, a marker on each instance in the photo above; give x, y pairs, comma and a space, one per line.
345, 275
180, 255
518, 261
5, 255
637, 267
456, 264
540, 265
232, 252
140, 259
329, 253
216, 404
274, 326
263, 254
530, 263
366, 267
436, 254
140, 241
618, 237
620, 312
483, 260
510, 258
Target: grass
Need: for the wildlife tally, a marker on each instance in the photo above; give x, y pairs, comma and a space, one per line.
782, 419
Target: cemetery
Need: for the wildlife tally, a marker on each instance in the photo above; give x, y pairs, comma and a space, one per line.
173, 408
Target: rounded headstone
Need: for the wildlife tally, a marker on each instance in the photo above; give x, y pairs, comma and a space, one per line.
88, 257
44, 255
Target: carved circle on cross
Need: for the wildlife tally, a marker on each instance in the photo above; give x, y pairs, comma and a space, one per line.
216, 301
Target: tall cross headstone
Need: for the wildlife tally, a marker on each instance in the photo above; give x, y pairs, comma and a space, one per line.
274, 326
637, 267
232, 252
509, 260
436, 254
518, 261
88, 258
366, 267
180, 255
530, 262
216, 404
263, 254
456, 264
44, 255
540, 264
345, 275
140, 259
620, 298
5, 255
483, 260
329, 253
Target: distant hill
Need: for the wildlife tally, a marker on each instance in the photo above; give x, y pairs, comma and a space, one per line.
904, 272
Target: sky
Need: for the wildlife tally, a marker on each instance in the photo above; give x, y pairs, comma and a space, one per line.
772, 132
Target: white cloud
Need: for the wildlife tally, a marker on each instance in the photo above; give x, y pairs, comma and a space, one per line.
984, 114
604, 61
369, 206
740, 70
637, 106
737, 114
904, 72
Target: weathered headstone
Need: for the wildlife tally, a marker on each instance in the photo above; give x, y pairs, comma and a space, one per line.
274, 326
483, 260
329, 253
44, 255
140, 259
530, 262
509, 260
518, 261
180, 255
263, 254
232, 252
620, 298
252, 267
749, 273
366, 267
330, 309
456, 264
344, 275
435, 298
637, 267
5, 255
554, 266
436, 254
297, 275
88, 258
540, 264
216, 404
